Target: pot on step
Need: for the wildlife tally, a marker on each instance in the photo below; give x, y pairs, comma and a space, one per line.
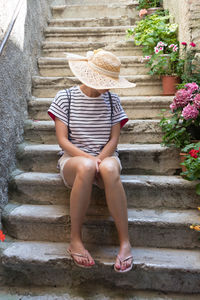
169, 84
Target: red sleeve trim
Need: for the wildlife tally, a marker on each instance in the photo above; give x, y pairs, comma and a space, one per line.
123, 122
51, 115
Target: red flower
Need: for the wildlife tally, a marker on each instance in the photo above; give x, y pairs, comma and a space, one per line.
2, 236
193, 153
184, 43
192, 44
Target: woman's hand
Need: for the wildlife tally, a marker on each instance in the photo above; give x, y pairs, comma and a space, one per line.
97, 163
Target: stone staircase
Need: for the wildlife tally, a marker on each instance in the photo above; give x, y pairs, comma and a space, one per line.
161, 205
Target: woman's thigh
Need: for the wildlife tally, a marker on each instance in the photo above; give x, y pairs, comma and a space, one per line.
78, 164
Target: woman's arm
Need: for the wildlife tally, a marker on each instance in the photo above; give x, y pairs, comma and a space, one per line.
110, 147
65, 144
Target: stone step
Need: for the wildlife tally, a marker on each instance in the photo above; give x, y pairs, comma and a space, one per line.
146, 85
58, 49
50, 66
135, 159
94, 22
139, 107
163, 270
89, 34
160, 228
147, 191
86, 291
134, 131
98, 10
96, 2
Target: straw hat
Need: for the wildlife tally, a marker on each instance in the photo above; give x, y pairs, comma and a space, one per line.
99, 70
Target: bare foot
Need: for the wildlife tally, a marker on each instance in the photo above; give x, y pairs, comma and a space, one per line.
78, 248
124, 252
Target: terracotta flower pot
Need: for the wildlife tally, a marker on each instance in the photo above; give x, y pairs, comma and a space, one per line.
169, 83
182, 158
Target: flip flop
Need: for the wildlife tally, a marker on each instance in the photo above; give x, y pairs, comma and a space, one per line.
80, 255
123, 260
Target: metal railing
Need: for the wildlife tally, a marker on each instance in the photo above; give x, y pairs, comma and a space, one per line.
11, 25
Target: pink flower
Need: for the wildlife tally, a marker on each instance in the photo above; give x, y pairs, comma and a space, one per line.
171, 46
196, 101
142, 13
147, 57
157, 50
190, 112
175, 48
192, 44
173, 106
192, 86
182, 97
184, 43
161, 44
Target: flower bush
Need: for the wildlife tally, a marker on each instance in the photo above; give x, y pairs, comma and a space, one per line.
192, 163
164, 60
184, 124
189, 64
152, 29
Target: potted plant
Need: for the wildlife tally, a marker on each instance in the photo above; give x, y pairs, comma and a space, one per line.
179, 129
147, 7
165, 63
192, 163
149, 31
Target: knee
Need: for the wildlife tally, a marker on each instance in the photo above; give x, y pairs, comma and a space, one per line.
109, 170
86, 169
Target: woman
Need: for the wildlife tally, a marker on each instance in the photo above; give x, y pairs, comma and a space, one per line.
88, 120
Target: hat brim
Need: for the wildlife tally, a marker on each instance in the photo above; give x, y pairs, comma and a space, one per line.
96, 80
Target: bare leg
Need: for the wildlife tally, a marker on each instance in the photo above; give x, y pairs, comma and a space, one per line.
117, 204
79, 172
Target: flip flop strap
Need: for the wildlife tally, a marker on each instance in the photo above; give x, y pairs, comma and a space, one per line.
77, 254
125, 259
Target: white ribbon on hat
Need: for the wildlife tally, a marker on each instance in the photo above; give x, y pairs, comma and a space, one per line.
90, 54
74, 57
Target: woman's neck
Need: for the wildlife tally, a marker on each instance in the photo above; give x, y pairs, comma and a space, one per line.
89, 91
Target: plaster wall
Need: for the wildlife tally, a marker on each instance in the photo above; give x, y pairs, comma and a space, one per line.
187, 14
180, 11
17, 65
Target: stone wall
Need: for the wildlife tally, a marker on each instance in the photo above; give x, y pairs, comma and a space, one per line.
17, 64
187, 14
180, 11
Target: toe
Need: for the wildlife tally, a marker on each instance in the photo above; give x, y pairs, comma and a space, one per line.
128, 264
117, 264
123, 266
90, 260
85, 262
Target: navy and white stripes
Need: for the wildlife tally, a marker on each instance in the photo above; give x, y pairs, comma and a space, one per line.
90, 118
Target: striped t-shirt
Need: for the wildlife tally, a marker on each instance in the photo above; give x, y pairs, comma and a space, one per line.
90, 118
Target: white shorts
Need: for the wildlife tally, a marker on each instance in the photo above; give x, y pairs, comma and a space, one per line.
65, 157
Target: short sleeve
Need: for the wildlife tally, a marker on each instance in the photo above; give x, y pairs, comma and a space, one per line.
118, 114
59, 107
